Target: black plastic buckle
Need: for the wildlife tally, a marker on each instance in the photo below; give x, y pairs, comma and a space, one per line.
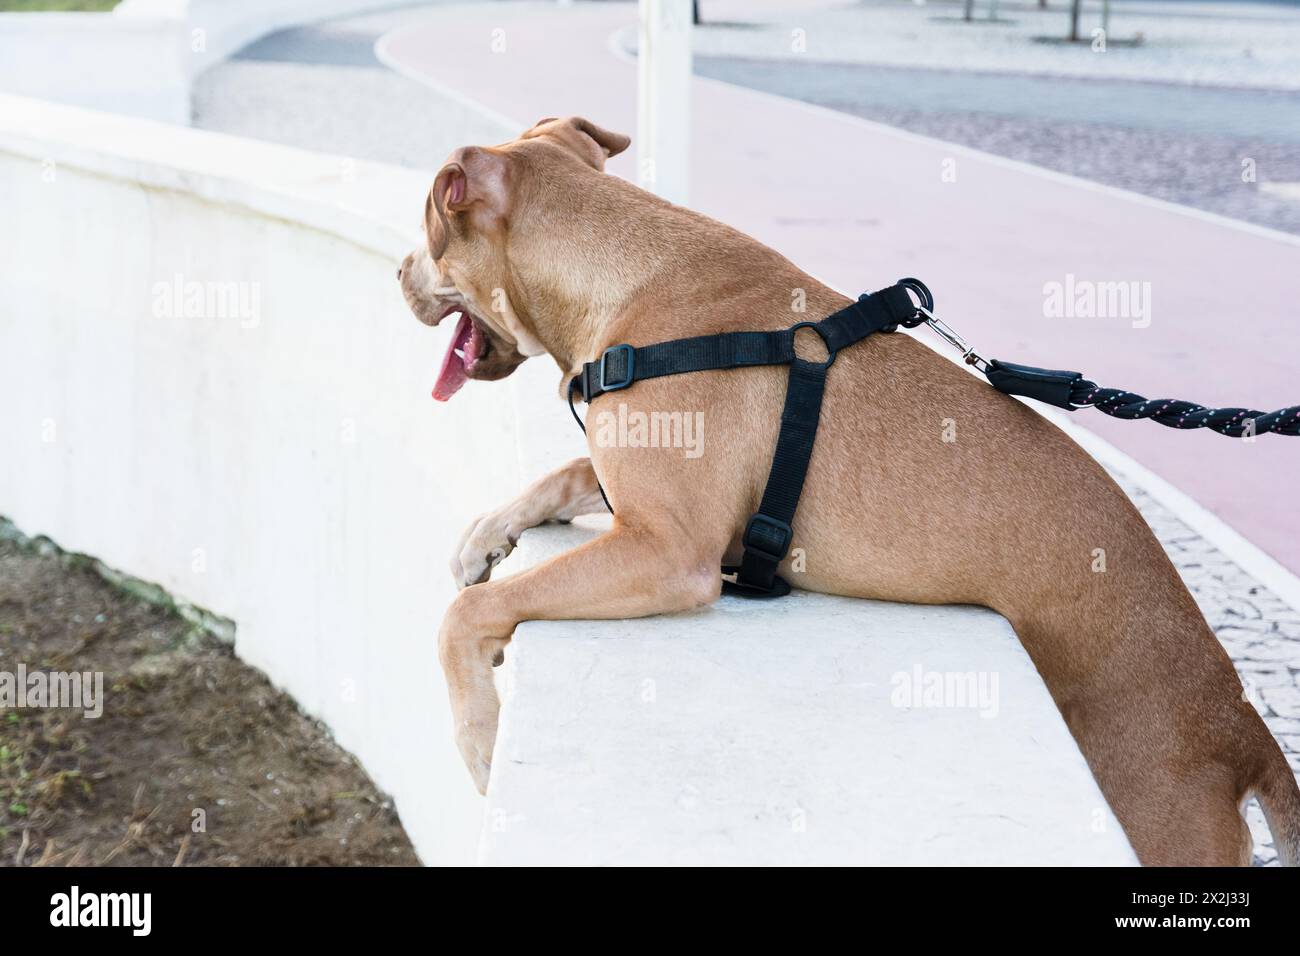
768, 536
605, 384
747, 589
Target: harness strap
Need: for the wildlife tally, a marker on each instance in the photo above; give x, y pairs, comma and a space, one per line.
621, 365
769, 531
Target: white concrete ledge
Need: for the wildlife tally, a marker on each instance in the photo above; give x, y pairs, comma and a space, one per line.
798, 731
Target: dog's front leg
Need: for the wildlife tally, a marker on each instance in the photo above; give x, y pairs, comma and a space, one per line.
633, 570
562, 495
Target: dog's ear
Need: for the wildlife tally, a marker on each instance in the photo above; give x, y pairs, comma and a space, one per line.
591, 143
473, 183
610, 142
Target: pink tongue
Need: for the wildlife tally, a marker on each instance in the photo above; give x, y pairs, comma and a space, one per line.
452, 374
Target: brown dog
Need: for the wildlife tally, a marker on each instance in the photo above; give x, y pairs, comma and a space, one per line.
540, 251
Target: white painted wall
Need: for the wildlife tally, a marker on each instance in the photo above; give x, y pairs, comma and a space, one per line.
141, 58
291, 473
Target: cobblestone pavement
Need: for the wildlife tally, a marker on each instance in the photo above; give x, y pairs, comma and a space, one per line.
320, 88
1260, 632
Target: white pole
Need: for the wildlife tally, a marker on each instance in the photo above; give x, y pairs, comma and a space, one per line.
664, 99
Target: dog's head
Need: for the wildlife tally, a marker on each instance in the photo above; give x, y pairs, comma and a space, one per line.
490, 243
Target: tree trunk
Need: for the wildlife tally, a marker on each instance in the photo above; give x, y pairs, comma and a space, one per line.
1074, 20
970, 9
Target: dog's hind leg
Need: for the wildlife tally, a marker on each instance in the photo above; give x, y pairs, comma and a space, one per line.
1177, 783
562, 495
1193, 819
634, 570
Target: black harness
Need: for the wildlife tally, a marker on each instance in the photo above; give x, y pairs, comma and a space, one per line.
768, 533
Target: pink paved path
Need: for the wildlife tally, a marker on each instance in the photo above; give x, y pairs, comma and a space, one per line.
860, 205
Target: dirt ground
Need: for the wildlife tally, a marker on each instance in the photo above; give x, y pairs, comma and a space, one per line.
196, 761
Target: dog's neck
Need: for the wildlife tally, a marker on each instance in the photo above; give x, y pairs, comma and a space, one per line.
659, 255
575, 330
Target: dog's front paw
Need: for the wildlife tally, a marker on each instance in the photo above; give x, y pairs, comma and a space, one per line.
476, 738
484, 545
468, 646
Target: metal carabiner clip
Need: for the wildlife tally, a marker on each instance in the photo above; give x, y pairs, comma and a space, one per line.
949, 335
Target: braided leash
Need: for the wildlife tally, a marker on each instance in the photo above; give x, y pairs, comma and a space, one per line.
1174, 413
1070, 390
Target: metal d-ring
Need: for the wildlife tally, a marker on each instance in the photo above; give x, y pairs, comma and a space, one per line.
923, 293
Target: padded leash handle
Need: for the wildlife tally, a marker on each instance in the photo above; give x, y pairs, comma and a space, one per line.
1044, 384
